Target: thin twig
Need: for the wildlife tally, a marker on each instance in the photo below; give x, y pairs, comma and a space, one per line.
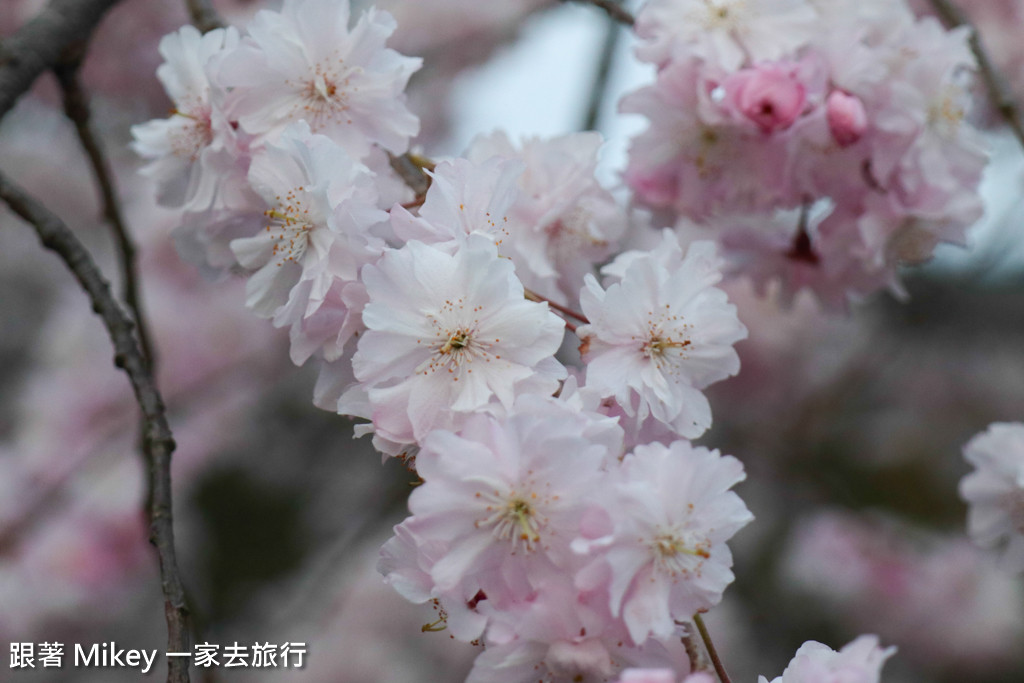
599, 88
712, 652
157, 441
614, 10
564, 310
999, 92
76, 107
204, 16
42, 42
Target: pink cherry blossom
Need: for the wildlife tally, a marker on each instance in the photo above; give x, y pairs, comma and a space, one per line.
673, 513
465, 198
770, 95
564, 221
725, 31
994, 491
198, 159
305, 64
316, 237
446, 333
860, 661
847, 118
661, 334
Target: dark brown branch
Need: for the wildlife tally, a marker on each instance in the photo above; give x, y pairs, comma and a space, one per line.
204, 16
76, 107
998, 91
614, 10
157, 441
712, 652
43, 41
599, 88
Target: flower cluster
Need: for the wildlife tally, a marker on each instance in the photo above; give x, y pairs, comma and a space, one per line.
563, 518
824, 143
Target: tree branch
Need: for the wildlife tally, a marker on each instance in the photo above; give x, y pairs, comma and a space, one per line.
715, 660
42, 42
76, 107
614, 10
599, 88
204, 16
157, 440
998, 91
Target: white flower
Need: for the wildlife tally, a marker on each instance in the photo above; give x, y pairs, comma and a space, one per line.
196, 155
661, 334
858, 662
995, 491
565, 222
305, 64
315, 239
725, 31
446, 334
464, 198
673, 513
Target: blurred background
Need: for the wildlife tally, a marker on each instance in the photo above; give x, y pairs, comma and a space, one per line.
850, 426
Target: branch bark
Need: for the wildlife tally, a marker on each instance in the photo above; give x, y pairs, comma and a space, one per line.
43, 41
998, 91
157, 440
612, 8
76, 107
204, 16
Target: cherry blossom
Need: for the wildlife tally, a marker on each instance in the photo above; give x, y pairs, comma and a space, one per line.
729, 31
315, 238
564, 221
673, 513
305, 64
661, 334
197, 157
994, 491
860, 661
446, 333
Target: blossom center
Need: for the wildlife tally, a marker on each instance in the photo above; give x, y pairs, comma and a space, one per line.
290, 226
665, 345
678, 553
191, 138
323, 97
514, 519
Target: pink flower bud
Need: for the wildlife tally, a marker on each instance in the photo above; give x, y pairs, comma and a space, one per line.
770, 95
846, 117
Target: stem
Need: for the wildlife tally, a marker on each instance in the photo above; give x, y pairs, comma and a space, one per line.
76, 107
599, 89
998, 91
204, 16
712, 652
612, 8
564, 310
157, 440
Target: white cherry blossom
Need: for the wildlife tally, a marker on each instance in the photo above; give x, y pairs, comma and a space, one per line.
305, 64
446, 334
661, 334
994, 491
